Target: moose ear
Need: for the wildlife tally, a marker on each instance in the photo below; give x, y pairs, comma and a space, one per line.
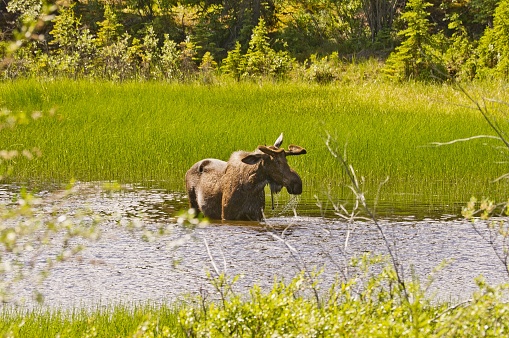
252, 158
295, 150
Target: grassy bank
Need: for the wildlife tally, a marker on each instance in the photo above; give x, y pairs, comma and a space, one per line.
151, 133
114, 321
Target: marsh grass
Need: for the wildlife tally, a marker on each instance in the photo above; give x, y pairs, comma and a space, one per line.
151, 133
113, 321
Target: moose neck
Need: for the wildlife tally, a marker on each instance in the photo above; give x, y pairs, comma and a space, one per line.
258, 179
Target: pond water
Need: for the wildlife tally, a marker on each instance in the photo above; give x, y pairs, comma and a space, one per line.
121, 267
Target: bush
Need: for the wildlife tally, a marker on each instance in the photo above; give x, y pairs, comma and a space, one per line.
416, 57
260, 59
378, 307
493, 49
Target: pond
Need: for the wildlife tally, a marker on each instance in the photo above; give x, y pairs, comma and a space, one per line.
122, 267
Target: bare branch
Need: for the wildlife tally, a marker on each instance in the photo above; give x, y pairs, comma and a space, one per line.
355, 187
438, 144
212, 261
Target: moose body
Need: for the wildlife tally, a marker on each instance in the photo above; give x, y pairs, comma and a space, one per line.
234, 190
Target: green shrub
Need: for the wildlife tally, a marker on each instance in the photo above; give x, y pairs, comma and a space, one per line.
377, 307
324, 70
416, 57
116, 61
459, 53
234, 63
170, 60
493, 49
110, 28
260, 60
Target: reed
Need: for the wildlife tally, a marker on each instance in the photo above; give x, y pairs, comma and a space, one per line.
111, 321
151, 133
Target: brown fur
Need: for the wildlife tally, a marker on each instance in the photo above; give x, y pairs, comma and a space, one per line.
234, 190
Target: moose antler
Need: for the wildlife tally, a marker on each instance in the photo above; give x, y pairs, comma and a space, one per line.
279, 141
295, 150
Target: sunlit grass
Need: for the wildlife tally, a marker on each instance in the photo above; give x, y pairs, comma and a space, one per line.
114, 321
151, 133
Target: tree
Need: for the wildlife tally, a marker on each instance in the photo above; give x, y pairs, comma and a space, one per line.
493, 50
321, 27
380, 15
220, 24
415, 57
110, 28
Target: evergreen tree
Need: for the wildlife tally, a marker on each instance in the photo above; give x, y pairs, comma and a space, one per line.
493, 50
234, 63
415, 57
110, 28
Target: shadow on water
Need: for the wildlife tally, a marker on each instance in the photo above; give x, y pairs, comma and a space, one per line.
127, 268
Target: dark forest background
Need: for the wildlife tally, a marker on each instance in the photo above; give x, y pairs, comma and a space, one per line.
305, 39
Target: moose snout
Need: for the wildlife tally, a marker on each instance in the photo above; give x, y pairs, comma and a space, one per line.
294, 186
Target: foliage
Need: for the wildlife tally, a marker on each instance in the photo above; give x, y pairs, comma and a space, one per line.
459, 53
66, 30
234, 62
207, 68
188, 60
321, 27
170, 60
483, 10
78, 52
414, 58
221, 24
376, 308
122, 320
493, 49
29, 9
127, 40
260, 60
109, 29
324, 70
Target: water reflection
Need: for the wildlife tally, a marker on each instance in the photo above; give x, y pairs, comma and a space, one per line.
123, 267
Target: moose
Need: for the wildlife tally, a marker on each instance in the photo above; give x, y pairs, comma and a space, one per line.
234, 190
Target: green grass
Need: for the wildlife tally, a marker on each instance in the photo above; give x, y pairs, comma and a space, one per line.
151, 133
117, 321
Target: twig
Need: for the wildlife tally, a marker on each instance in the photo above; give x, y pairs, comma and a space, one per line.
451, 308
212, 260
298, 259
485, 114
360, 195
439, 144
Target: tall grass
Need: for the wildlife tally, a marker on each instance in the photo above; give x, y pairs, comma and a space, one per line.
151, 133
117, 321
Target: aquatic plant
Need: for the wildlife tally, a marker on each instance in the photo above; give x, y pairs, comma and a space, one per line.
146, 133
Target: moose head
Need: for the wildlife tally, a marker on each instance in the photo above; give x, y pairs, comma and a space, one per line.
275, 167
